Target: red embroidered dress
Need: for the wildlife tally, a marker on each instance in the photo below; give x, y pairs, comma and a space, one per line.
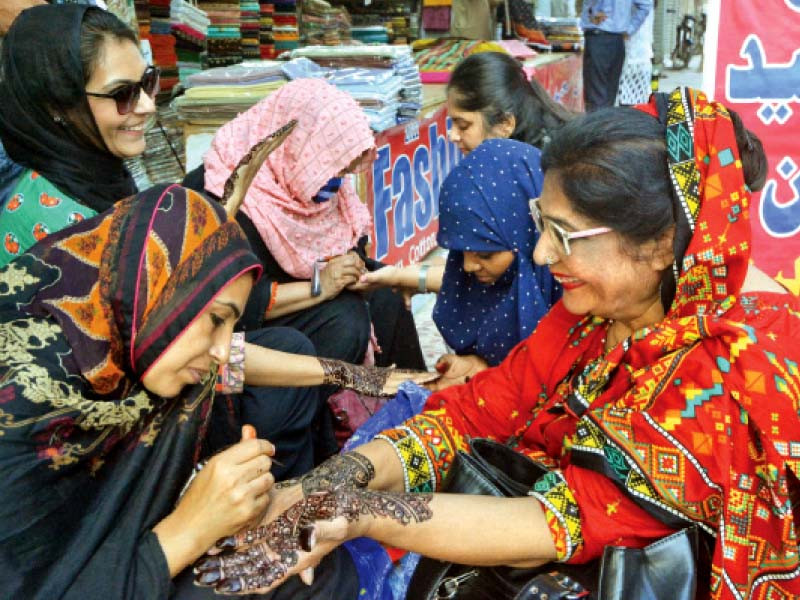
693, 419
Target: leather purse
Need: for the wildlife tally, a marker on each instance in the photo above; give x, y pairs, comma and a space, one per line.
664, 570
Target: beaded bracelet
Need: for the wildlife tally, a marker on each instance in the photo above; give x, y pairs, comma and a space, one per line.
230, 376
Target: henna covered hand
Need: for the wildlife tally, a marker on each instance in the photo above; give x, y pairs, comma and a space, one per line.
272, 552
342, 471
371, 381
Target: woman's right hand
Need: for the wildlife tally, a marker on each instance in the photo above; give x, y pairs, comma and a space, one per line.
230, 492
340, 272
456, 370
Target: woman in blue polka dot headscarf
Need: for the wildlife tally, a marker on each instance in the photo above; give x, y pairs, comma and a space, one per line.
492, 294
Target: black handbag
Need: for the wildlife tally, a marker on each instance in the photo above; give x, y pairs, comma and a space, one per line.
664, 570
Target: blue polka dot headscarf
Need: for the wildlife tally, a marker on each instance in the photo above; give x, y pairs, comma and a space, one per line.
483, 207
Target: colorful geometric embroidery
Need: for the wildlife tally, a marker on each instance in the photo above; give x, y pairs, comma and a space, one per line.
561, 512
418, 472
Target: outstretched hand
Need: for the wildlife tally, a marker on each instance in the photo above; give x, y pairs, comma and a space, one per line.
298, 539
239, 181
371, 381
456, 370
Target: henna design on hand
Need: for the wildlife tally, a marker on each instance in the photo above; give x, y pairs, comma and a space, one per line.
338, 472
366, 380
255, 568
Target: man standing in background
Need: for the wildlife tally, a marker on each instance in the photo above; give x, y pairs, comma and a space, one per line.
606, 25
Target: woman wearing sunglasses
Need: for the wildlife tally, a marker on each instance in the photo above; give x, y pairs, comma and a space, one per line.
72, 109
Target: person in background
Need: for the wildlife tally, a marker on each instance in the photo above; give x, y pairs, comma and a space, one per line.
634, 83
490, 294
490, 96
106, 391
606, 25
474, 19
305, 220
661, 391
71, 112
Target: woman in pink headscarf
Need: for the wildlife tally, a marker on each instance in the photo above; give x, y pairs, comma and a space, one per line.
300, 208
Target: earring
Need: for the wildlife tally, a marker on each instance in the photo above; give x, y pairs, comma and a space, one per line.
549, 260
58, 119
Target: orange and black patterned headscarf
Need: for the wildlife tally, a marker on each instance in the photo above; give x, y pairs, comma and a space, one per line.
125, 284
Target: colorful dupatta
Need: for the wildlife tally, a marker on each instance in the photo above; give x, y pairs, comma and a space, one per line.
90, 461
695, 418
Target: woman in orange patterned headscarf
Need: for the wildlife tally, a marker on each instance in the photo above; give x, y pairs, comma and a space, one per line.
111, 332
662, 390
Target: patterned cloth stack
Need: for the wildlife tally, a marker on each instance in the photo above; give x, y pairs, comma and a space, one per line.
250, 29
190, 28
265, 38
375, 91
320, 23
224, 35
285, 28
221, 93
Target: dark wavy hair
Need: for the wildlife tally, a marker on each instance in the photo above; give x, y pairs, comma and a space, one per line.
494, 84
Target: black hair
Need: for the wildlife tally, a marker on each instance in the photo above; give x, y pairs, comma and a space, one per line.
99, 25
612, 166
494, 84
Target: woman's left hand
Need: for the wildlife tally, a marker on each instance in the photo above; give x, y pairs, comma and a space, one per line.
294, 543
371, 381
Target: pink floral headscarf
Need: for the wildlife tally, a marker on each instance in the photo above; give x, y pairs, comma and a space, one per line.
331, 132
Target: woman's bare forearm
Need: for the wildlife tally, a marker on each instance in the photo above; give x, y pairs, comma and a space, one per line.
266, 367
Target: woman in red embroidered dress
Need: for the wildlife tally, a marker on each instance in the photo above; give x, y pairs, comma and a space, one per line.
669, 371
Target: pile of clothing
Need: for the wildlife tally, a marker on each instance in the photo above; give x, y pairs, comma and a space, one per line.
383, 79
190, 27
218, 95
322, 24
250, 29
224, 33
266, 41
285, 28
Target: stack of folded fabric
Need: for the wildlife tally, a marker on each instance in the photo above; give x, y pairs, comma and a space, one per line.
217, 95
190, 28
164, 146
285, 28
399, 63
370, 34
249, 27
320, 23
159, 16
436, 15
162, 43
563, 34
376, 90
142, 9
224, 36
265, 38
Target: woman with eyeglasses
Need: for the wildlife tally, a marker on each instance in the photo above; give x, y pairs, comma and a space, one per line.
661, 392
72, 109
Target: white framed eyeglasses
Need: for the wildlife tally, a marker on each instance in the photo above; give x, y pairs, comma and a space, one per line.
560, 236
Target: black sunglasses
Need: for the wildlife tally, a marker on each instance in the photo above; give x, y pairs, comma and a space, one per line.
127, 96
